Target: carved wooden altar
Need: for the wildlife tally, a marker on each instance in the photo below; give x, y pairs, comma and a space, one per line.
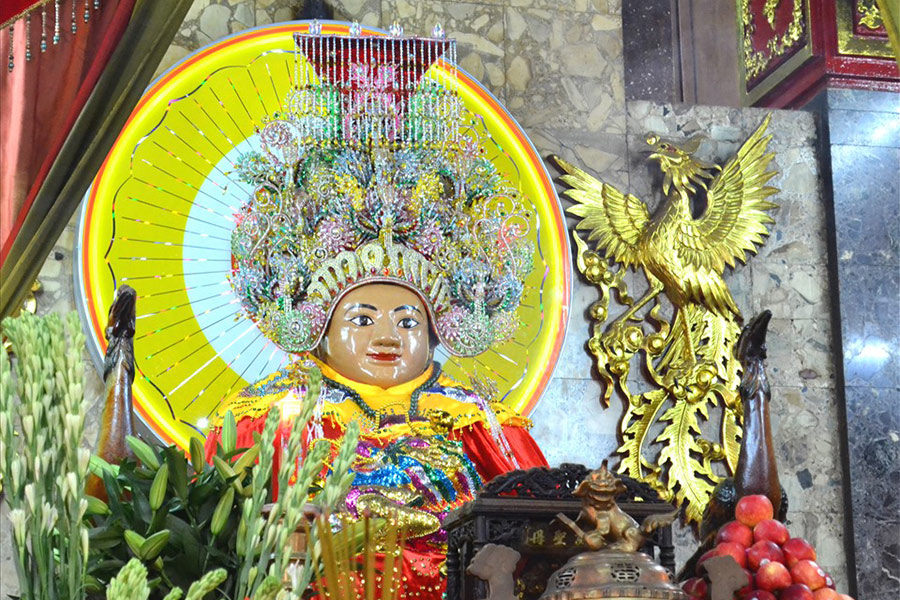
519, 509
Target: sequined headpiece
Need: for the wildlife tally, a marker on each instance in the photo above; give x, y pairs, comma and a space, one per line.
370, 176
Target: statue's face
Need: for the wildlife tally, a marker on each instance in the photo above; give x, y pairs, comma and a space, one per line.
378, 335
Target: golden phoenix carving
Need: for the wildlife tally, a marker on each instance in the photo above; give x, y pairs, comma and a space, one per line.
689, 360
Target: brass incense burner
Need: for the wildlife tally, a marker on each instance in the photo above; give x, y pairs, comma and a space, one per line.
611, 574
613, 568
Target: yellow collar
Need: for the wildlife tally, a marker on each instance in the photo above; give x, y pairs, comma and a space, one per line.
375, 396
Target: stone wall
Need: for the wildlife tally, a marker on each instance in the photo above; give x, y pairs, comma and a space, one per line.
559, 69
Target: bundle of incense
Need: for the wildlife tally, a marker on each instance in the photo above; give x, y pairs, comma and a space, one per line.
348, 573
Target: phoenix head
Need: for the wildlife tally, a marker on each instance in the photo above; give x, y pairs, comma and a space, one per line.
678, 164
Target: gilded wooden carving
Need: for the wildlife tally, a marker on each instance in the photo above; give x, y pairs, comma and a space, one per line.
757, 60
868, 15
688, 358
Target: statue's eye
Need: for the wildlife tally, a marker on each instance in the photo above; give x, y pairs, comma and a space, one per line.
362, 320
407, 323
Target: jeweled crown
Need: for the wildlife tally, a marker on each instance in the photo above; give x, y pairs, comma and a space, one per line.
370, 176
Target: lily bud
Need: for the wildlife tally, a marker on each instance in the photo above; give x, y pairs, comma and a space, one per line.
84, 460
15, 479
29, 497
51, 515
72, 426
28, 426
63, 486
17, 518
72, 480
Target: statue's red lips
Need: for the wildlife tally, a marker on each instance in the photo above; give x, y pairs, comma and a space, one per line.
384, 356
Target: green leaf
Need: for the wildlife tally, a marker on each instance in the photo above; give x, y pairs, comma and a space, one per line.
199, 494
159, 520
141, 506
113, 491
177, 470
185, 541
100, 538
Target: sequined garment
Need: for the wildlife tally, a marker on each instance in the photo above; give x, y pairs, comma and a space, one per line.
426, 447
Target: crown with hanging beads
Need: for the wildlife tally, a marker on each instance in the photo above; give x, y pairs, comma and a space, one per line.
369, 176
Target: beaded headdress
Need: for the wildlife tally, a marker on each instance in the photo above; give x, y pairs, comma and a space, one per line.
368, 175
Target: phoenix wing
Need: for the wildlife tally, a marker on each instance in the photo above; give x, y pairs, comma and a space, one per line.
735, 218
615, 221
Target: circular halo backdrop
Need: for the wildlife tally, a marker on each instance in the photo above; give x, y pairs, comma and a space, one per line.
159, 216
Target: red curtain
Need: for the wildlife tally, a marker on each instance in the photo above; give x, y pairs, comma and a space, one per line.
10, 9
40, 99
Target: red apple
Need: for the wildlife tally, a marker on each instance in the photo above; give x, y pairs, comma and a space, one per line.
761, 552
845, 597
829, 581
773, 576
808, 573
708, 554
750, 510
735, 550
796, 591
772, 530
734, 531
695, 587
759, 595
826, 594
749, 587
797, 549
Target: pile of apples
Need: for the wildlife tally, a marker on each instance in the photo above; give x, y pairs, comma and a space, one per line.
778, 567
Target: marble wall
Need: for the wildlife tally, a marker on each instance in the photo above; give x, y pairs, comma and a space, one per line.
864, 144
559, 69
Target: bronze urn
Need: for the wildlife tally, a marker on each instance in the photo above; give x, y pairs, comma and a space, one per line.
614, 568
611, 574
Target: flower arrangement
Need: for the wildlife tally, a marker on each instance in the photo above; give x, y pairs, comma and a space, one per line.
170, 520
42, 464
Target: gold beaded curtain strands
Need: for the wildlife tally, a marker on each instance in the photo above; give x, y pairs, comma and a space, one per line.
77, 9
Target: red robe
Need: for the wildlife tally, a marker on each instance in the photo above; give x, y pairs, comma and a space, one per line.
495, 440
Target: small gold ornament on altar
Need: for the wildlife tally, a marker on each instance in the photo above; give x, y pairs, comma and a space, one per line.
614, 568
688, 358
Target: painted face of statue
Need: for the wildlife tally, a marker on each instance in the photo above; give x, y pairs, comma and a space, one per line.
378, 335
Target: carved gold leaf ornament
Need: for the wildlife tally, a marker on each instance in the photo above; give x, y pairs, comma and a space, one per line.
769, 9
756, 61
686, 355
869, 14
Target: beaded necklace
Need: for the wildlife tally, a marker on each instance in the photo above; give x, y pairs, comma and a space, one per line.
374, 414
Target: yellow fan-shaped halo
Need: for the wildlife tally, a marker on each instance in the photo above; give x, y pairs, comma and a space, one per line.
159, 215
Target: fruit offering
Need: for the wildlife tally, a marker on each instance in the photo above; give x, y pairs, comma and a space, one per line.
777, 566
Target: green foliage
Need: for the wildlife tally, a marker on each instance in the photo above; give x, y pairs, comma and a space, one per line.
183, 517
170, 522
180, 522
